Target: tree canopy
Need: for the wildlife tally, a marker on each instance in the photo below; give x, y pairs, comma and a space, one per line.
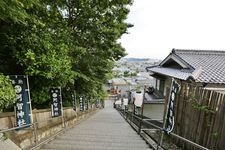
67, 43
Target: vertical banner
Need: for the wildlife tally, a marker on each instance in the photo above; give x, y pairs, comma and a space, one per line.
169, 122
23, 104
103, 103
125, 103
86, 103
73, 98
55, 94
81, 103
97, 103
138, 98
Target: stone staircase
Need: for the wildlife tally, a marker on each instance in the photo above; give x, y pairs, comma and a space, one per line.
105, 130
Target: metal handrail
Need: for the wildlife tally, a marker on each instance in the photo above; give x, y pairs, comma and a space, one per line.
29, 125
15, 128
162, 130
153, 119
33, 127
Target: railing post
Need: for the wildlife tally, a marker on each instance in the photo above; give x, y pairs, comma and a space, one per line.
126, 113
132, 116
142, 110
139, 128
159, 142
35, 133
63, 122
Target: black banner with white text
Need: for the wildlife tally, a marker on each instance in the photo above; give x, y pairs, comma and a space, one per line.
23, 104
169, 122
55, 94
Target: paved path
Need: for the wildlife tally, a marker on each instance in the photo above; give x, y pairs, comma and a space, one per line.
105, 130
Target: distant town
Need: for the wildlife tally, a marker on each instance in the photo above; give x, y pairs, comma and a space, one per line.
134, 68
133, 71
135, 64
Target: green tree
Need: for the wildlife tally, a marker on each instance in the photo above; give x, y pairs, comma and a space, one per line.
126, 73
38, 45
7, 92
62, 43
97, 25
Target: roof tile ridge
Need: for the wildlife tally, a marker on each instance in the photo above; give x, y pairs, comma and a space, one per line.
173, 52
198, 51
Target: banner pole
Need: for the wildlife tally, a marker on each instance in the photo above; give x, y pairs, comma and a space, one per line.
165, 117
142, 110
75, 101
31, 113
63, 121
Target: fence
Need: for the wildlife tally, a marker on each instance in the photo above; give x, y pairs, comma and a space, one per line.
199, 120
200, 117
44, 126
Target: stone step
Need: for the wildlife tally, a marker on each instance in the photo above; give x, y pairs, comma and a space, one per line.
109, 133
105, 130
103, 143
102, 135
101, 139
93, 147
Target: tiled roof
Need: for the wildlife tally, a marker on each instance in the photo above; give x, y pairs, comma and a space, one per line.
209, 66
211, 62
176, 73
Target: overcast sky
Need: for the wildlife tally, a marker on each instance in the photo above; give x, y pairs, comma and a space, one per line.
160, 25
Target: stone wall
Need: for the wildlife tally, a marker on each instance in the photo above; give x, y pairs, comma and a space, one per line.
44, 126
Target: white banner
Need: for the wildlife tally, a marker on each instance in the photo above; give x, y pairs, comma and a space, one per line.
125, 101
138, 96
